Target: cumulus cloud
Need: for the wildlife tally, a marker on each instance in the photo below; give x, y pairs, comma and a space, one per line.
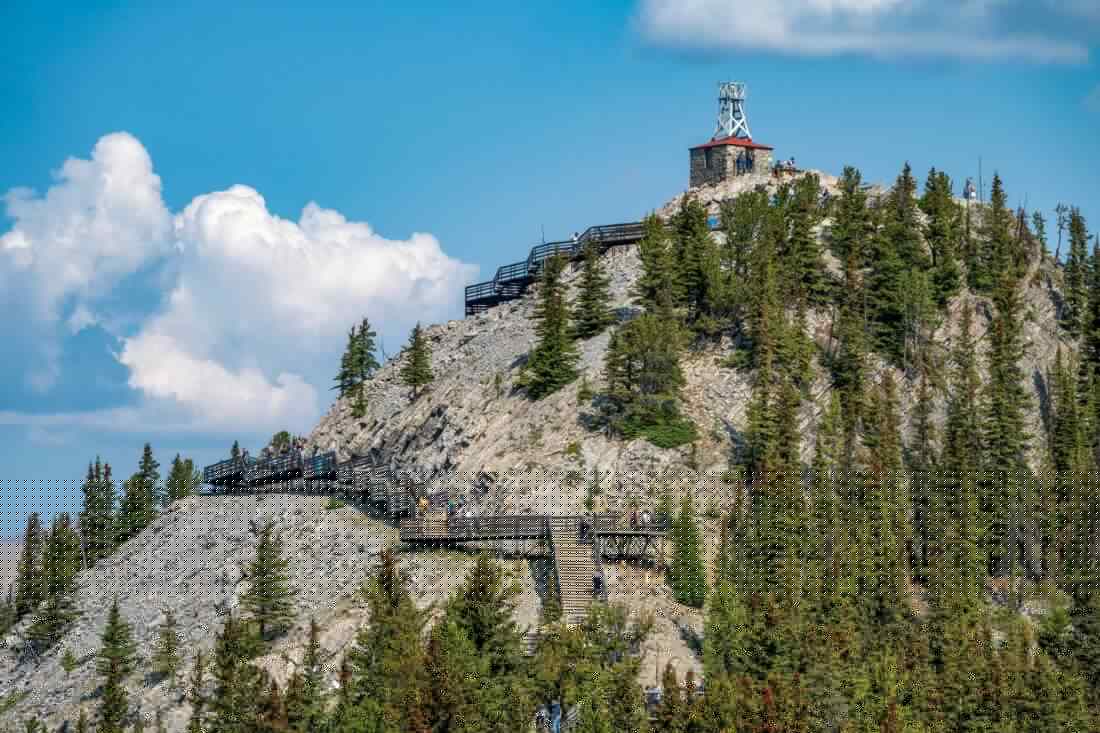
100, 222
251, 329
1044, 31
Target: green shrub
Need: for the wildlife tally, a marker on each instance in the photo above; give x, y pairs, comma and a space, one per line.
335, 503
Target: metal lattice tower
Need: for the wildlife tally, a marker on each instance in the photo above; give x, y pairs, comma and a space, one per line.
732, 121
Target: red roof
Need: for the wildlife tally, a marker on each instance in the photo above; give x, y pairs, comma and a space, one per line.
741, 142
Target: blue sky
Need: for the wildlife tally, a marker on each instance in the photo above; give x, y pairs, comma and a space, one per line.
199, 201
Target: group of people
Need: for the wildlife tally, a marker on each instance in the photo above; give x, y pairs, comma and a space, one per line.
786, 166
294, 447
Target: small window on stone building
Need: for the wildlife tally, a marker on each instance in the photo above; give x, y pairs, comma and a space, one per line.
708, 156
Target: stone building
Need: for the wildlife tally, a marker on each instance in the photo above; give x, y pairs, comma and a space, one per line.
729, 157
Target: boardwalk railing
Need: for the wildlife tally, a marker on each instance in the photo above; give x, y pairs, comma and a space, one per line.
619, 524
467, 529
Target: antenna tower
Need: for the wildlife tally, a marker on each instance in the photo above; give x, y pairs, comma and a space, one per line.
732, 121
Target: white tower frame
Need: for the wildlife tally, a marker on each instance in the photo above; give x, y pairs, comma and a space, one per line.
732, 121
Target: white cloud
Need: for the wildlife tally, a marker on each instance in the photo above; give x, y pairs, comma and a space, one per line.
101, 221
251, 330
1045, 31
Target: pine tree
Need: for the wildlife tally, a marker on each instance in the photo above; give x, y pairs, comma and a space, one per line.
552, 363
592, 311
942, 232
166, 658
1076, 274
240, 687
345, 377
849, 364
672, 713
61, 562
457, 675
686, 572
691, 248
658, 289
29, 584
387, 664
117, 661
196, 694
895, 249
886, 505
182, 481
417, 369
1007, 399
742, 221
1090, 337
644, 381
307, 697
802, 250
149, 470
269, 596
97, 520
483, 609
235, 451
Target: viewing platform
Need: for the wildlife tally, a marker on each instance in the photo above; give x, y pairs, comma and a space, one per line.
511, 281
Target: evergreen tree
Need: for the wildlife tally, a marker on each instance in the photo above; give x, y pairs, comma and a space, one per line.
693, 248
963, 452
593, 311
895, 249
805, 269
849, 363
658, 289
885, 506
166, 657
117, 660
30, 584
239, 687
686, 573
1076, 274
672, 712
644, 379
149, 470
182, 481
387, 665
742, 220
942, 231
483, 609
269, 596
457, 676
97, 520
235, 451
345, 377
61, 562
552, 363
196, 695
416, 372
307, 697
1090, 337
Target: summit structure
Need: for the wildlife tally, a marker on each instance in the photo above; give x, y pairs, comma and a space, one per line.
731, 151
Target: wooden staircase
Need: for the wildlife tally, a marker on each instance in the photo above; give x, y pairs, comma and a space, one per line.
575, 566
